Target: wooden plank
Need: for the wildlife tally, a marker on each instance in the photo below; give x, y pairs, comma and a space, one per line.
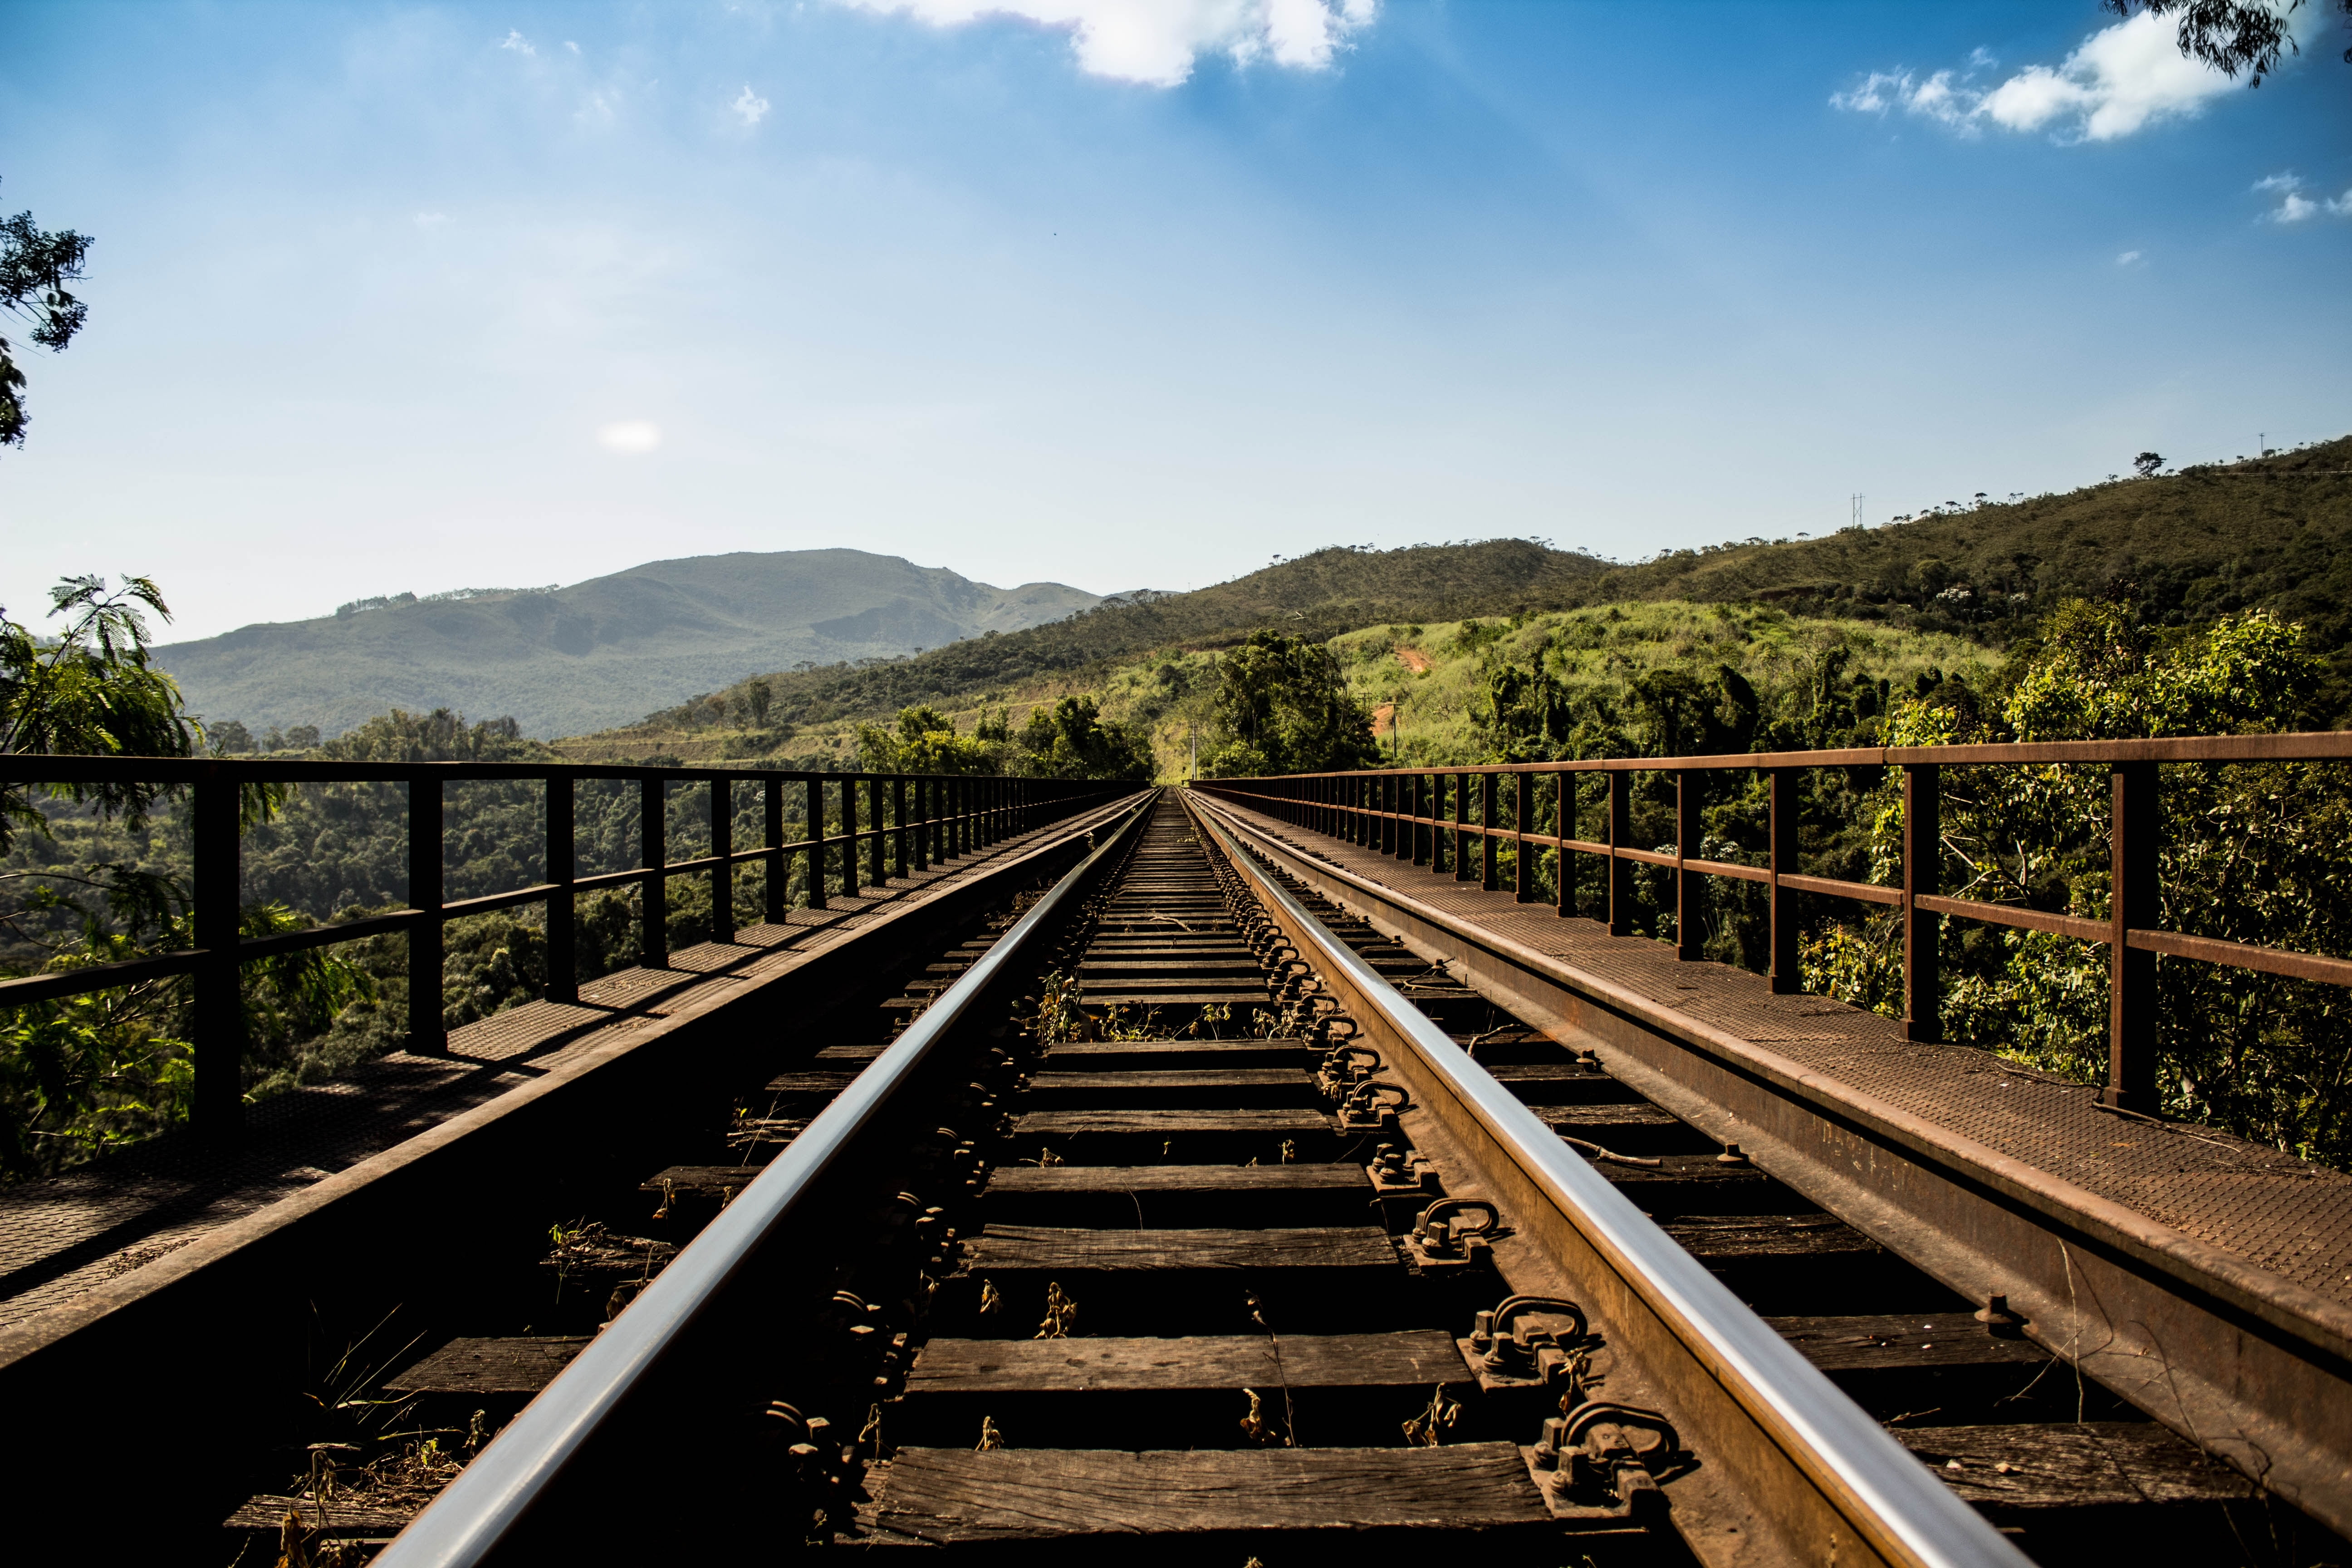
1178, 1179
1422, 1357
1178, 1078
1766, 1235
1025, 1246
949, 1495
490, 1366
339, 1519
1581, 1118
1093, 1053
1167, 1123
2097, 1463
823, 1081
859, 1053
1875, 1343
719, 1181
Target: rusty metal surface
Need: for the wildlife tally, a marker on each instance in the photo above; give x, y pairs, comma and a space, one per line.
2207, 1280
2280, 1214
62, 1236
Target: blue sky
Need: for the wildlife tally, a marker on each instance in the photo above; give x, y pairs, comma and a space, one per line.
1127, 293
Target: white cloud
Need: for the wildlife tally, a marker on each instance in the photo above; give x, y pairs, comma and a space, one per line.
749, 106
431, 220
1157, 42
2122, 78
630, 438
2293, 207
2128, 258
515, 41
572, 46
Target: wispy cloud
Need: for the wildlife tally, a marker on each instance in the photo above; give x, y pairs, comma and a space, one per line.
2121, 80
1157, 42
749, 107
515, 41
629, 438
2129, 258
431, 220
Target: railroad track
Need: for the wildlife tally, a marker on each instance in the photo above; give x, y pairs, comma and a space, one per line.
1177, 1208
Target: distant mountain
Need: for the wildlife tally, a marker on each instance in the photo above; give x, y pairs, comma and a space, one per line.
602, 652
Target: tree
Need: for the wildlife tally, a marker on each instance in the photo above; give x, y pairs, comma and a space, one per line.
2230, 36
34, 269
2146, 464
1282, 708
93, 691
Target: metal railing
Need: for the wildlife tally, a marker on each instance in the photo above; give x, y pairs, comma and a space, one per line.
1403, 812
911, 821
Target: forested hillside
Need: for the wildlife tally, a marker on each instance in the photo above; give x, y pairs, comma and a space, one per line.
2270, 533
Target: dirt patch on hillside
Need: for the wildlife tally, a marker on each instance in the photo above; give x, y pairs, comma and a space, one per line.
1414, 659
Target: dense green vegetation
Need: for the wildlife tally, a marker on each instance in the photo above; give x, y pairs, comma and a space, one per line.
95, 880
1068, 741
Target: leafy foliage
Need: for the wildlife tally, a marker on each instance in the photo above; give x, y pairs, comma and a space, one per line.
2250, 853
2230, 35
35, 267
92, 690
1070, 740
1282, 707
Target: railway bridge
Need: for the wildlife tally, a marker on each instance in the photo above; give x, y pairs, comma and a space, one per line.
1226, 1172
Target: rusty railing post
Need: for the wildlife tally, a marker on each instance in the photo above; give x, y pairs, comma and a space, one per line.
899, 819
2135, 837
1489, 858
1786, 978
877, 872
1523, 812
1461, 856
1563, 827
563, 868
815, 840
427, 1035
1422, 850
722, 847
1689, 890
217, 1108
849, 844
1620, 834
1923, 835
780, 896
653, 830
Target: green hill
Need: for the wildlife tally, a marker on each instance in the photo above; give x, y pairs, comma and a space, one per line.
2269, 533
601, 652
2212, 539
1319, 596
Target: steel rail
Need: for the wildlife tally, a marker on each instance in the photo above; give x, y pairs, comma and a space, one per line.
1895, 1505
474, 1515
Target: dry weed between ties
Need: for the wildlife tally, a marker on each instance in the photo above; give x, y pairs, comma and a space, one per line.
399, 1483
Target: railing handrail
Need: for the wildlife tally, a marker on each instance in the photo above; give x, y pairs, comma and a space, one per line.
472, 1515
2295, 746
910, 821
65, 767
1402, 810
